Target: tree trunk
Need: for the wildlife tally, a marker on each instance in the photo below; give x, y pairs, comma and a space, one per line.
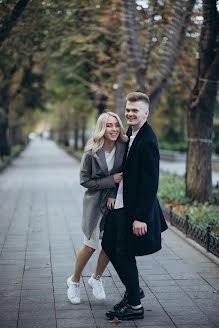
122, 74
76, 136
10, 22
131, 30
173, 49
153, 4
201, 109
5, 148
84, 125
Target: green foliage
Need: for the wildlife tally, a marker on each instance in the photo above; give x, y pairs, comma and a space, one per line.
15, 150
180, 146
216, 139
172, 191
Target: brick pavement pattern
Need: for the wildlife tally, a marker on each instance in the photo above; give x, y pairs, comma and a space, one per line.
40, 235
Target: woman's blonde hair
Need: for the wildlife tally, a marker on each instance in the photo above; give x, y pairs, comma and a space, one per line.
97, 141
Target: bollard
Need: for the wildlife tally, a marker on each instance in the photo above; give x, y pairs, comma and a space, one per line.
187, 224
171, 214
217, 185
208, 237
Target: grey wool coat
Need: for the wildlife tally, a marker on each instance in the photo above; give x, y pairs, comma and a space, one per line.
100, 185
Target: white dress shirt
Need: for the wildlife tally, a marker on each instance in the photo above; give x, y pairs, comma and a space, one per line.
119, 197
110, 157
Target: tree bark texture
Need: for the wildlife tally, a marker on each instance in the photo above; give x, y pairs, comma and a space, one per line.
201, 108
182, 12
122, 73
5, 147
153, 4
131, 30
11, 21
173, 49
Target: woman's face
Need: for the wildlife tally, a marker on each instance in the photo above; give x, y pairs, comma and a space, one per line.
112, 129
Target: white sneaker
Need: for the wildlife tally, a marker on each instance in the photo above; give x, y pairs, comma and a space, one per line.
97, 286
69, 281
73, 292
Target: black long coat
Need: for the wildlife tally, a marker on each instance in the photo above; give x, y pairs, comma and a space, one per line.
140, 185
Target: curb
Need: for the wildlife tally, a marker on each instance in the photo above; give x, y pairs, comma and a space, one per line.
192, 243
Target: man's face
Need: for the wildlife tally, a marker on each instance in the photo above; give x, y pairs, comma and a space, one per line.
136, 114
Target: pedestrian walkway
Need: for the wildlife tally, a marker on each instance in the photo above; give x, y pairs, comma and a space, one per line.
40, 216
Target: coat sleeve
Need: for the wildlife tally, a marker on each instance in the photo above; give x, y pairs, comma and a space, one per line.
86, 179
112, 193
148, 181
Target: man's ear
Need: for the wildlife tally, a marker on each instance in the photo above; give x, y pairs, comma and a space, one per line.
147, 113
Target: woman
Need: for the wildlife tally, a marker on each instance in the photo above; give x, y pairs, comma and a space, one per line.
100, 173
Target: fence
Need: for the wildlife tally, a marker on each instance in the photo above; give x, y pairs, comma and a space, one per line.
201, 236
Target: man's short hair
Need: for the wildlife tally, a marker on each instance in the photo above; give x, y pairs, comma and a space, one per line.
138, 96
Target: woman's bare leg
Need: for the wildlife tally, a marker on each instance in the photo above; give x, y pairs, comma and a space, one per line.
101, 264
83, 257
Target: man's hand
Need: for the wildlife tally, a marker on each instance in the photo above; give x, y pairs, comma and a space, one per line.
111, 203
139, 228
117, 177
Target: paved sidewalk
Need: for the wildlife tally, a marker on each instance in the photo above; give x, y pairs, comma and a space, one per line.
40, 215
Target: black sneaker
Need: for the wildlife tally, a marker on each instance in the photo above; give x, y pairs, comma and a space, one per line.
126, 313
124, 300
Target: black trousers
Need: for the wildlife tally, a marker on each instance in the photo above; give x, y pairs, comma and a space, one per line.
115, 244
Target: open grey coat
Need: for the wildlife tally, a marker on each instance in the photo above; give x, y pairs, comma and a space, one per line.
100, 185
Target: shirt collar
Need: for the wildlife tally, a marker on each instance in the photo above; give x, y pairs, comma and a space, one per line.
134, 133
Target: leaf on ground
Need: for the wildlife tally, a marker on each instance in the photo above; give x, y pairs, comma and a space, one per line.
196, 295
215, 292
115, 320
148, 309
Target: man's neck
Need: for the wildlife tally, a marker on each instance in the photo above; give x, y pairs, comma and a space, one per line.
137, 127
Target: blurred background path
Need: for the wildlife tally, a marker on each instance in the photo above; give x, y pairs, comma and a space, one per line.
40, 235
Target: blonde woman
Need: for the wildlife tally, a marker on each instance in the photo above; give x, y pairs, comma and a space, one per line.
100, 173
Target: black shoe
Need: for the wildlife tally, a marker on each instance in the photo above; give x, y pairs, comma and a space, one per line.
126, 313
124, 300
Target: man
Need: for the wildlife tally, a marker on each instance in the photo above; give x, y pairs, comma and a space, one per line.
134, 226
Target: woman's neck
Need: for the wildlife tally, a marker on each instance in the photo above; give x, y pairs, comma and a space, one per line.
108, 145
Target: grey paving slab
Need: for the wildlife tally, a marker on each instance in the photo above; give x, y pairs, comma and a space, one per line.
40, 235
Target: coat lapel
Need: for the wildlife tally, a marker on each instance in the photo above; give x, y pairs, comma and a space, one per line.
102, 161
138, 136
119, 155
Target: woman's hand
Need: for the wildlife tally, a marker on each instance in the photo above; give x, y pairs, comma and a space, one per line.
111, 203
139, 228
117, 177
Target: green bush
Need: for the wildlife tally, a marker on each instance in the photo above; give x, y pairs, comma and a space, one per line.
172, 191
15, 150
180, 146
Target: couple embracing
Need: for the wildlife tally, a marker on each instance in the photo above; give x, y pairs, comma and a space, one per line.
121, 173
